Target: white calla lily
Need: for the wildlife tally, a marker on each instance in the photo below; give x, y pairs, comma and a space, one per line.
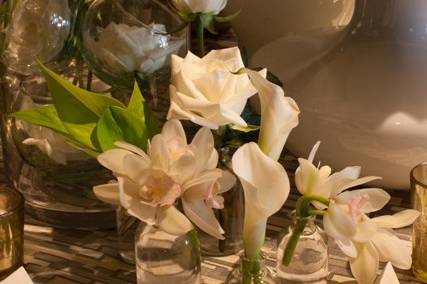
279, 115
266, 187
200, 6
150, 183
206, 92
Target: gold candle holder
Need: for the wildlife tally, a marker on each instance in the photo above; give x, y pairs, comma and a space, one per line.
11, 230
419, 235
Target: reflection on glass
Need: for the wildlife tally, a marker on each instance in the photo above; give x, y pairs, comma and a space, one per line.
11, 231
419, 237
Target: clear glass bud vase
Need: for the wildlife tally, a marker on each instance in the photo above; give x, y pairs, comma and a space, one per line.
250, 272
165, 258
126, 228
310, 259
230, 217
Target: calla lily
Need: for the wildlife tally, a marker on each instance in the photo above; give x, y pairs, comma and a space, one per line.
206, 92
279, 115
266, 187
150, 183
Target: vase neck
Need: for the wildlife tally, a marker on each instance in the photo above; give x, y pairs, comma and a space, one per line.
310, 226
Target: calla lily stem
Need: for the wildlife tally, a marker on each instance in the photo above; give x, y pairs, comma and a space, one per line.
303, 211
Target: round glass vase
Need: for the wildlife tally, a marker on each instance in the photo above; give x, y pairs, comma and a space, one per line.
126, 227
128, 40
55, 178
230, 217
250, 272
310, 259
165, 258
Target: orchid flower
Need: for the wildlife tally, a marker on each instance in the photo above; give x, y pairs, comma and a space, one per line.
264, 180
150, 183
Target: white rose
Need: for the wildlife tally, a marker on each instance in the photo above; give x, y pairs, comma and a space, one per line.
206, 92
200, 6
122, 48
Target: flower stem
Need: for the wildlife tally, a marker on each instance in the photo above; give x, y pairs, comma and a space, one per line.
251, 270
201, 35
303, 211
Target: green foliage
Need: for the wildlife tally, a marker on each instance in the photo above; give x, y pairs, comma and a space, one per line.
92, 122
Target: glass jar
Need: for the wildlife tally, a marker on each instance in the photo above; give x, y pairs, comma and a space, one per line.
230, 217
128, 40
250, 272
165, 258
55, 179
126, 228
310, 259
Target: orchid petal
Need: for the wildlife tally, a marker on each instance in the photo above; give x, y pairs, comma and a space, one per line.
266, 188
203, 148
305, 176
173, 129
279, 115
205, 177
355, 183
113, 160
388, 276
132, 148
399, 220
347, 247
376, 198
365, 266
391, 248
108, 193
313, 152
226, 182
339, 179
157, 152
365, 230
134, 165
338, 223
203, 217
172, 221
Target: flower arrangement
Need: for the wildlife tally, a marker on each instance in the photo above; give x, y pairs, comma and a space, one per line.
169, 183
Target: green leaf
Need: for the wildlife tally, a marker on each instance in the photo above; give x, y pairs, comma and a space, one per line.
246, 129
226, 19
207, 21
119, 124
43, 116
136, 102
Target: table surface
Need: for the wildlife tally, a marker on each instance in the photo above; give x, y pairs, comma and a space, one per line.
58, 256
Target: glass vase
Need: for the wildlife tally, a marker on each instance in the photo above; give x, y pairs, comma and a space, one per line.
310, 259
165, 258
55, 179
230, 217
126, 228
128, 40
250, 272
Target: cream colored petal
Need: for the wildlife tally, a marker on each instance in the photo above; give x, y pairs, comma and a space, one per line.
347, 247
339, 179
183, 169
176, 112
279, 115
388, 276
108, 193
203, 217
172, 221
203, 147
134, 165
132, 148
365, 230
305, 176
399, 220
376, 198
208, 177
313, 152
158, 153
172, 130
226, 182
365, 266
113, 160
391, 248
230, 56
338, 223
355, 183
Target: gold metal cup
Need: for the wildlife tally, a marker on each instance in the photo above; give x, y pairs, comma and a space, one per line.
11, 230
419, 234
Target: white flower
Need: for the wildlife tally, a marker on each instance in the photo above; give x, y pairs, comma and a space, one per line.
149, 184
200, 6
205, 91
124, 49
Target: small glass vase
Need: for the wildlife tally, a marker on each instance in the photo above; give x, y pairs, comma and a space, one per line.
230, 217
165, 258
310, 259
250, 272
126, 228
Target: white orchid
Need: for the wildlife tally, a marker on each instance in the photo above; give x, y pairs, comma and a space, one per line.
150, 183
264, 180
200, 6
124, 49
206, 92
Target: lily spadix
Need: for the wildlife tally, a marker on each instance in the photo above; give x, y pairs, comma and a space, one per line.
264, 180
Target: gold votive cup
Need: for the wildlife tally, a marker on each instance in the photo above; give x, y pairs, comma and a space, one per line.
11, 230
419, 234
